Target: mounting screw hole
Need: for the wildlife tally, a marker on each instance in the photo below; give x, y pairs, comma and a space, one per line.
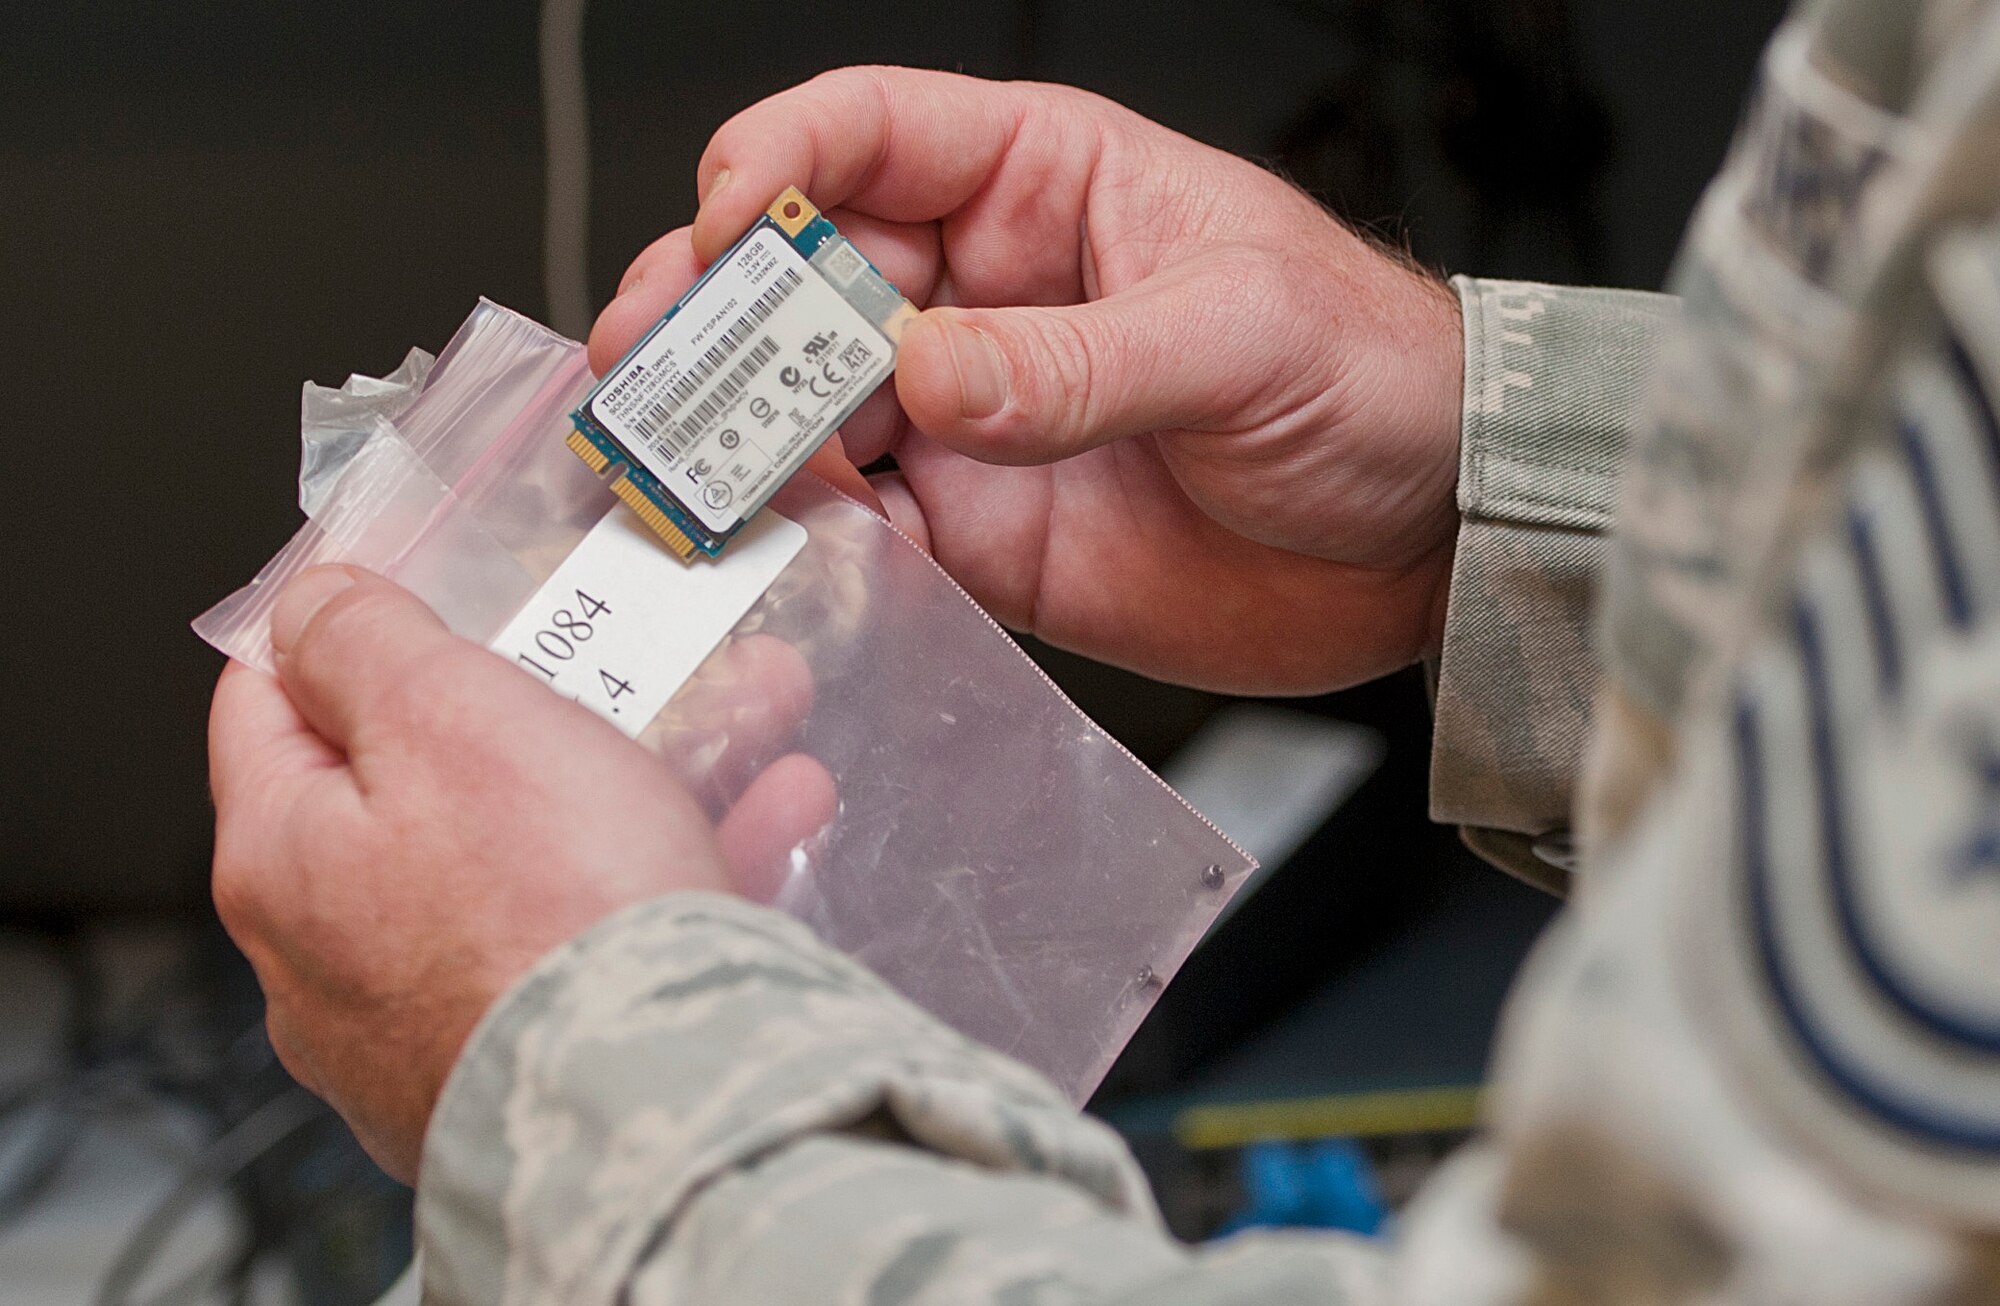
791, 208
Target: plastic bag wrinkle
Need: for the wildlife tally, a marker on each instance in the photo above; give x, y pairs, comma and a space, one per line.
996, 856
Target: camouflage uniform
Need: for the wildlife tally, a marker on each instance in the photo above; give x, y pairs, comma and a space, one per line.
1759, 1058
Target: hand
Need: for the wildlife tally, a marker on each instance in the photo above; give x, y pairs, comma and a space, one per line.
1161, 409
404, 823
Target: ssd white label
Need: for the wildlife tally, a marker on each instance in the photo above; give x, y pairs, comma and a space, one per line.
621, 624
729, 395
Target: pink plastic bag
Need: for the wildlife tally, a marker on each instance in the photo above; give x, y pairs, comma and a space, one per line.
996, 856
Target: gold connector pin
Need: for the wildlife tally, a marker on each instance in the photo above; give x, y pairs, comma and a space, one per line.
593, 457
656, 521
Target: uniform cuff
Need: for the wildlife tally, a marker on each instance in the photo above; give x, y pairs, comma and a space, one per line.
1555, 378
1554, 381
676, 1041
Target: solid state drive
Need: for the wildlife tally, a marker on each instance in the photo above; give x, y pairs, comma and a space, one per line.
732, 390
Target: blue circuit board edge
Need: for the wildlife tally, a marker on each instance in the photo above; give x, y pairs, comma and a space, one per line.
649, 485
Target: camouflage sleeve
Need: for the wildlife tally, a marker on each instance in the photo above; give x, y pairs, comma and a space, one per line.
696, 1101
1554, 379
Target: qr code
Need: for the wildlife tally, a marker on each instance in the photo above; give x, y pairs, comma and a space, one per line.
855, 356
842, 265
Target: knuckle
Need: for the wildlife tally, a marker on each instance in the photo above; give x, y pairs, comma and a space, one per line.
233, 891
1065, 374
236, 880
842, 98
278, 1032
1087, 106
847, 79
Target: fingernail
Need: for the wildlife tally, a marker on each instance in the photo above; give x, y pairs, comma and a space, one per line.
982, 372
715, 187
300, 600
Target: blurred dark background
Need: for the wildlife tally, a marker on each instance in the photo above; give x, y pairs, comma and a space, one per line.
203, 204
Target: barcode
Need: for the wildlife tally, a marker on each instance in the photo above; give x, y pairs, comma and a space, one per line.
674, 443
704, 367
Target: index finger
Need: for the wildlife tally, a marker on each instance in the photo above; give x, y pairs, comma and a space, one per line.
255, 735
896, 143
264, 763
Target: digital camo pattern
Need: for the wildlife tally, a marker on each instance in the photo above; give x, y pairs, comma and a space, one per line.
1554, 380
1756, 1060
1521, 603
696, 1102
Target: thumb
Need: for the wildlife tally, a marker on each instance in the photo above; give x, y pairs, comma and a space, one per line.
346, 640
1034, 385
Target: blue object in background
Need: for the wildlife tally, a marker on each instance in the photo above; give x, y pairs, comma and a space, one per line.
1327, 1184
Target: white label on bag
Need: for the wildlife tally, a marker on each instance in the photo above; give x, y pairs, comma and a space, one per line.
729, 395
622, 623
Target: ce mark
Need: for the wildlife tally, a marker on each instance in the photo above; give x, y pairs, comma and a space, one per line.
792, 379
